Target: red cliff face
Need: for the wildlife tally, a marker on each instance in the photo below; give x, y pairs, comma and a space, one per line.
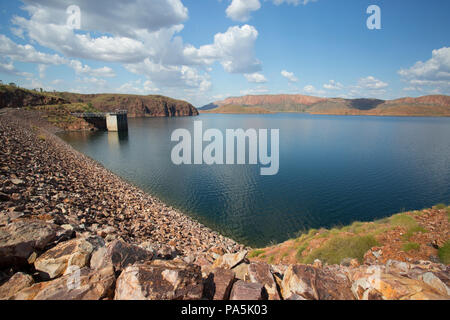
137, 106
271, 99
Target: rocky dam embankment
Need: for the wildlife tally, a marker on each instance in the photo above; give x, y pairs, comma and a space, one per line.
70, 229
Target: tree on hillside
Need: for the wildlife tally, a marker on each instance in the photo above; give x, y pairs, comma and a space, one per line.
12, 84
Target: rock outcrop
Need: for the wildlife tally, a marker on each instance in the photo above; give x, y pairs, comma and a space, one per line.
137, 106
13, 97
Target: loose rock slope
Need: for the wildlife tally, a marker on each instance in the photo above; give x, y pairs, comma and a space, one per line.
70, 229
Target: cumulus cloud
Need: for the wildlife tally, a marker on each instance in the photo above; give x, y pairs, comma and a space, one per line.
172, 76
26, 53
255, 77
233, 48
333, 85
87, 70
371, 83
120, 18
289, 75
144, 41
434, 72
310, 89
239, 10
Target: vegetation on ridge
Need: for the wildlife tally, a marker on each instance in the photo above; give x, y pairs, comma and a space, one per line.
413, 235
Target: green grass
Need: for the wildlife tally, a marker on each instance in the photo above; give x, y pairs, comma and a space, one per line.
413, 230
403, 220
255, 253
300, 250
410, 246
440, 206
336, 249
444, 253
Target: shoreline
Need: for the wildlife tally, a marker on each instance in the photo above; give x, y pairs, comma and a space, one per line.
139, 216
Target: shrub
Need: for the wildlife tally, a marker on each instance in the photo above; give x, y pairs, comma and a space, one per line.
410, 246
336, 249
440, 206
444, 253
411, 231
255, 253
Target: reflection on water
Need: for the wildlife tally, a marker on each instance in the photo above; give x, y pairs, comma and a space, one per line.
333, 170
117, 139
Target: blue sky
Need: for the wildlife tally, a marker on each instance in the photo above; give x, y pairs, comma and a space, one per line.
207, 50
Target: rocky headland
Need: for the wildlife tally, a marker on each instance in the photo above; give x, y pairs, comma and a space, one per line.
70, 229
136, 105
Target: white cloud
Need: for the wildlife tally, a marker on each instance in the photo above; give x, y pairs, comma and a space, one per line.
255, 77
289, 75
310, 89
8, 68
333, 85
120, 18
41, 69
81, 69
26, 53
145, 41
233, 48
171, 76
434, 73
138, 87
371, 83
239, 10
255, 91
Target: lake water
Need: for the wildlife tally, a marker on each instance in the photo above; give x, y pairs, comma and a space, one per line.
333, 170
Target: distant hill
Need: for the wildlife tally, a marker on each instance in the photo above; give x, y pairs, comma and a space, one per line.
434, 105
137, 106
236, 109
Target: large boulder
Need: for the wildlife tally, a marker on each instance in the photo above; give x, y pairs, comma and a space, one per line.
316, 283
54, 262
374, 280
259, 272
218, 284
248, 291
241, 272
18, 240
120, 255
81, 284
230, 260
160, 280
15, 284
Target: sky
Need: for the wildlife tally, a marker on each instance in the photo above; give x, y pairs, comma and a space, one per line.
207, 50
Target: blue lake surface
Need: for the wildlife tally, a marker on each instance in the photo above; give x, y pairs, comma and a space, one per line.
333, 170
